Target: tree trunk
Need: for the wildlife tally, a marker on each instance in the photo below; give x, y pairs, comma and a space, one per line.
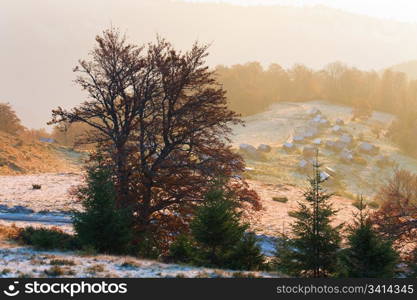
122, 198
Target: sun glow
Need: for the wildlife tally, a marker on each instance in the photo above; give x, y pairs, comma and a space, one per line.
400, 10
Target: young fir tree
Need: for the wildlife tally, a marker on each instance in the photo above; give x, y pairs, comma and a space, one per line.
246, 255
311, 249
368, 255
101, 225
220, 238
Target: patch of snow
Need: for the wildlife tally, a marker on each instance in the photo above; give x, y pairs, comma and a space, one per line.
53, 196
264, 148
267, 245
36, 218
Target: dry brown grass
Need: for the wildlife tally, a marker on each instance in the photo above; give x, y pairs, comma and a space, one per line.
9, 232
98, 268
19, 156
130, 264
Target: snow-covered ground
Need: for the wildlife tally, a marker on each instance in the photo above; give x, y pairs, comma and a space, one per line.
23, 206
48, 206
16, 192
53, 195
46, 218
26, 262
281, 120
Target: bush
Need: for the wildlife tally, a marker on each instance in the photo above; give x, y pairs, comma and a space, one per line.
54, 271
396, 215
101, 225
9, 122
218, 238
148, 246
373, 204
87, 250
358, 203
62, 262
182, 250
280, 199
216, 229
95, 269
245, 275
47, 239
5, 271
247, 254
130, 264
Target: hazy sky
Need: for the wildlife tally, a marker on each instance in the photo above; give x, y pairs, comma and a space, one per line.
41, 40
401, 10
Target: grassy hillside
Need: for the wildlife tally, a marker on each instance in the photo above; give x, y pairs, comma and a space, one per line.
20, 157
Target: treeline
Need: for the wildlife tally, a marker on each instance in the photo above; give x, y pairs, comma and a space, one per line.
11, 124
252, 89
72, 135
63, 134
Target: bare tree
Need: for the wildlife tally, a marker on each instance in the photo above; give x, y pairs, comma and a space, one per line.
116, 81
182, 144
397, 216
167, 119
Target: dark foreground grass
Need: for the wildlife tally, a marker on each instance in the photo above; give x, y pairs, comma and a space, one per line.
47, 239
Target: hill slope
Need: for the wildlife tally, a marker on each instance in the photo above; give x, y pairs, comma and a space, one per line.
20, 157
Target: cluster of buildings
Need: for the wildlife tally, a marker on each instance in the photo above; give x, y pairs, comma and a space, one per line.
331, 137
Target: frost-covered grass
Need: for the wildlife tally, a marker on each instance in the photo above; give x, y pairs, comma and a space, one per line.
20, 260
26, 262
54, 194
284, 120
